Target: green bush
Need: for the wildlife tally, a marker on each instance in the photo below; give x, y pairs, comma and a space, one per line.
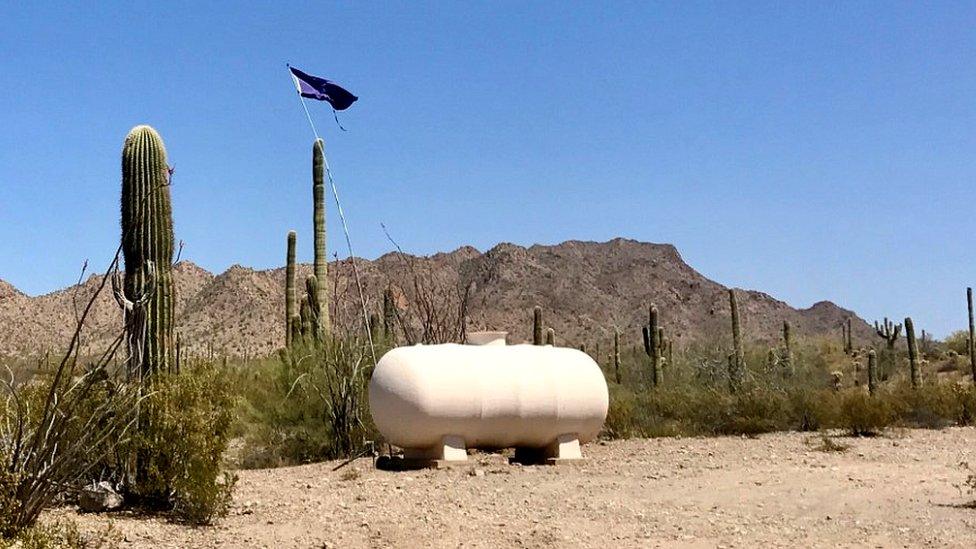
62, 534
862, 414
958, 341
183, 433
307, 404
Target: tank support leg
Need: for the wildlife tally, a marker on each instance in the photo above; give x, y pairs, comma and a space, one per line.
451, 450
564, 449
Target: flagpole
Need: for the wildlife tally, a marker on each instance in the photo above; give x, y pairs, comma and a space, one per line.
342, 218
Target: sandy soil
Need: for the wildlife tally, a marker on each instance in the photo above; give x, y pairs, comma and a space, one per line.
774, 491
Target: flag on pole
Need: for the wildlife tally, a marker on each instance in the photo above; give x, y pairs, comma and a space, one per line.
321, 89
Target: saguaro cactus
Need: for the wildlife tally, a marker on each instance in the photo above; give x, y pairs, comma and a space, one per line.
846, 329
616, 355
912, 352
972, 334
889, 331
789, 368
147, 294
389, 315
291, 312
537, 332
550, 337
312, 293
652, 345
320, 266
872, 371
737, 361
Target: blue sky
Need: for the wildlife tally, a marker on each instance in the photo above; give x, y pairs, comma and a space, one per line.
812, 151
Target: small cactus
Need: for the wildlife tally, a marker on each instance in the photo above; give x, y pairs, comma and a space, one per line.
848, 336
652, 345
537, 329
912, 352
291, 313
389, 315
789, 368
872, 371
312, 294
550, 337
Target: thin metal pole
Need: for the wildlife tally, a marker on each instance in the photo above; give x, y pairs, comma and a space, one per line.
345, 227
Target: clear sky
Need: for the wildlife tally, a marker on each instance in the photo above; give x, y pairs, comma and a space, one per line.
816, 151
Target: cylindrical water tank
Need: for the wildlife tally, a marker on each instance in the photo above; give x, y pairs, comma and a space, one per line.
493, 396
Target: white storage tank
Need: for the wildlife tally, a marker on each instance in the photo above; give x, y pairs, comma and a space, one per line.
436, 400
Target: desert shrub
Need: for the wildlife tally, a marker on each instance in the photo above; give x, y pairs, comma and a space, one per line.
958, 342
754, 411
55, 431
811, 409
862, 414
62, 534
183, 433
308, 404
933, 405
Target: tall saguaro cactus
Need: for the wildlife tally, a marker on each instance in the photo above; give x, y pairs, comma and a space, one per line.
320, 266
291, 312
846, 328
737, 359
616, 355
872, 371
972, 334
912, 352
889, 331
538, 337
147, 294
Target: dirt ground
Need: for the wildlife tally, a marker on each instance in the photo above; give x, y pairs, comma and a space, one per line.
900, 490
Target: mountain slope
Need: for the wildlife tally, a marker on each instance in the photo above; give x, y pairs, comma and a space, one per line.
586, 288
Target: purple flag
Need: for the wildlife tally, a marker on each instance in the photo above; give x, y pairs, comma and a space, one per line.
321, 89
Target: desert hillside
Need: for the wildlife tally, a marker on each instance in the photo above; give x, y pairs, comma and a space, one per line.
586, 288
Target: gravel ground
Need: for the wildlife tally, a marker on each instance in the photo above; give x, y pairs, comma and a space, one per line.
778, 490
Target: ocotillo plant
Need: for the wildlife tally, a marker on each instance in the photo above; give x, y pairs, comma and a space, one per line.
291, 312
616, 355
147, 294
972, 334
652, 345
788, 365
737, 362
550, 337
537, 331
320, 266
872, 371
912, 352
